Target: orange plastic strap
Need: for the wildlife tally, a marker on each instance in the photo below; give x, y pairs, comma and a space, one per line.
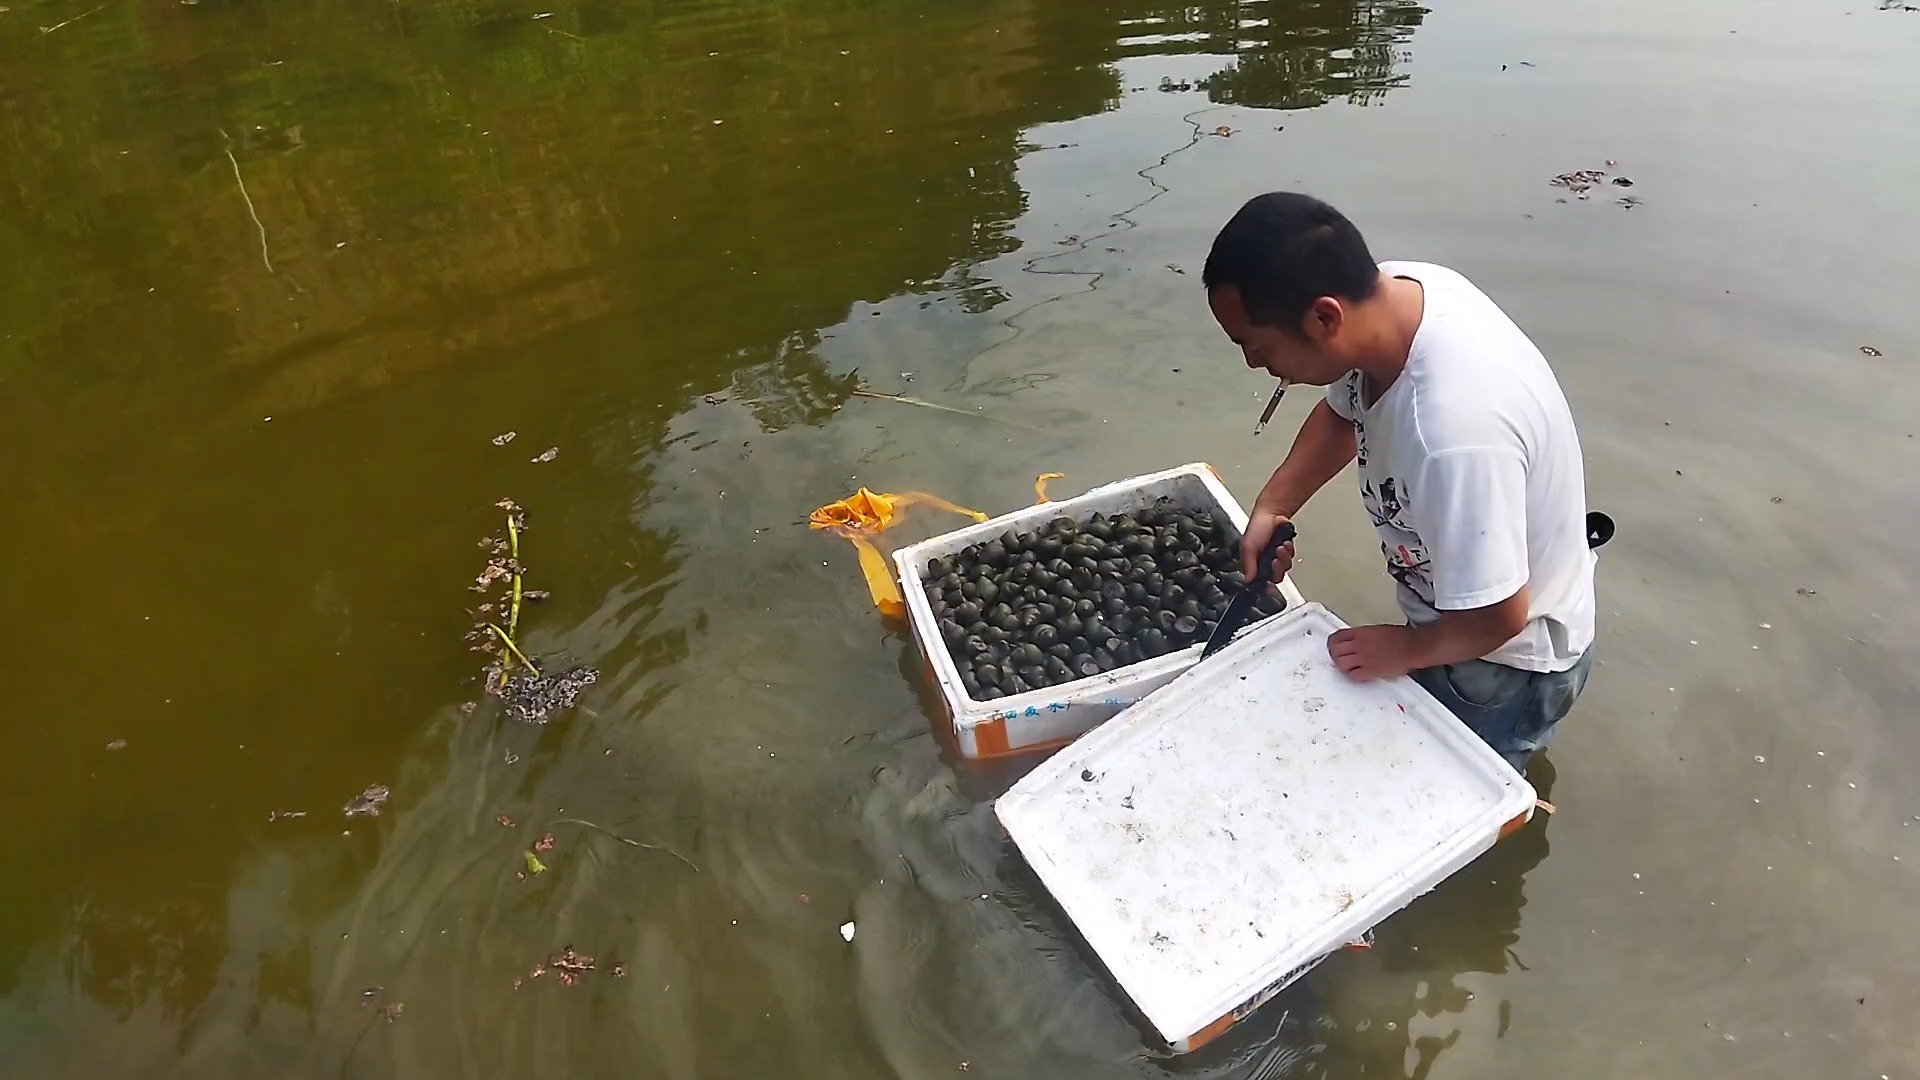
909, 498
880, 583
864, 515
873, 512
1040, 486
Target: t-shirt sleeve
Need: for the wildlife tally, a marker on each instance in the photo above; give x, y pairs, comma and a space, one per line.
1342, 397
1473, 509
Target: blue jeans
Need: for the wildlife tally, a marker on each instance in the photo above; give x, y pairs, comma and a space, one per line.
1514, 711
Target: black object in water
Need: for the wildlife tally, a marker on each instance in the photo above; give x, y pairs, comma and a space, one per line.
533, 699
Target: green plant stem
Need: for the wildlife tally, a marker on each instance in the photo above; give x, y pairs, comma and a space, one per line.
513, 649
513, 541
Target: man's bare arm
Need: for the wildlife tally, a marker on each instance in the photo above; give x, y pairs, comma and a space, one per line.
1322, 448
1382, 652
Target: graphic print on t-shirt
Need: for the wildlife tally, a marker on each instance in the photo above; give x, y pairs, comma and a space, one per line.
1407, 561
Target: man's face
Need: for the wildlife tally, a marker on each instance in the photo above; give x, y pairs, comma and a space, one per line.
1313, 354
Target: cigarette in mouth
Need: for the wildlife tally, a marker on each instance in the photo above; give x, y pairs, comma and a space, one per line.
1272, 404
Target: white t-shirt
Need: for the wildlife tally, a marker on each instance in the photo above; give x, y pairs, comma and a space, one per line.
1471, 470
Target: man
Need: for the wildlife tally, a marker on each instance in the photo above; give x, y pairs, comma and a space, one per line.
1469, 463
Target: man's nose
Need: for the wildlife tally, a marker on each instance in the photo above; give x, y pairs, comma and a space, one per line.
1252, 362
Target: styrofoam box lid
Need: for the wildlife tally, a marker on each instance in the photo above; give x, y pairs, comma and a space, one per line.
1252, 816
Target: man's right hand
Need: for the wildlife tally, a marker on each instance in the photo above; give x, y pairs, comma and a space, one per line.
1260, 526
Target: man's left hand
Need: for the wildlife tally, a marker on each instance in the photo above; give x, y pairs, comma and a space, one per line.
1365, 653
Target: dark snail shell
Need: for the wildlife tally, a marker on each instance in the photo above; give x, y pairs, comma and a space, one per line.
1152, 642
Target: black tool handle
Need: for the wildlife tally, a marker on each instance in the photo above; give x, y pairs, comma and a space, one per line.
1282, 533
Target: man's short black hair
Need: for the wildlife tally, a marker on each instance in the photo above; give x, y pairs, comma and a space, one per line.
1283, 251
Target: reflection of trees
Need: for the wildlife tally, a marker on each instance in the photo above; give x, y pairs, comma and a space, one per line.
1288, 54
494, 178
793, 388
464, 206
545, 207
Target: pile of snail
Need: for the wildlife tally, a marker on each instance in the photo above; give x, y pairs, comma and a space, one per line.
1077, 598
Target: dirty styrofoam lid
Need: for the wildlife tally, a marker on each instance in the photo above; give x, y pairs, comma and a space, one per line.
1252, 816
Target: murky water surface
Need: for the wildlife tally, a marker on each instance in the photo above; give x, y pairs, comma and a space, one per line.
276, 276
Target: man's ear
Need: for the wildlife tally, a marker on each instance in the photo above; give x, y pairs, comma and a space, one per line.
1323, 319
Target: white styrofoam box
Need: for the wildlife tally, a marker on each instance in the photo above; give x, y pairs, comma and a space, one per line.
1051, 716
1218, 839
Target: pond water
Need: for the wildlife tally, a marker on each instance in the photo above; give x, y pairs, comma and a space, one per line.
277, 276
